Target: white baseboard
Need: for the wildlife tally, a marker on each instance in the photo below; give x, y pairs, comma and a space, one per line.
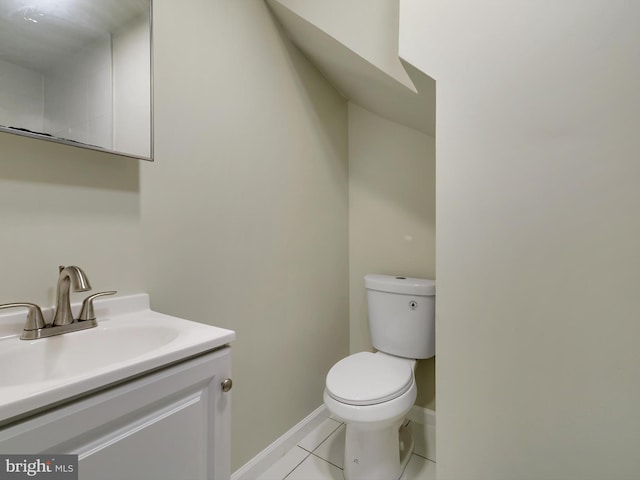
268, 456
426, 444
424, 416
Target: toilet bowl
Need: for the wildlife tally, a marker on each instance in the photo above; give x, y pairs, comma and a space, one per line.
373, 392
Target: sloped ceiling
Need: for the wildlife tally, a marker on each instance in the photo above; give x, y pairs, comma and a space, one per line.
407, 102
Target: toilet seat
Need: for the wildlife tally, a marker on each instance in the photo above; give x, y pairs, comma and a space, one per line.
366, 379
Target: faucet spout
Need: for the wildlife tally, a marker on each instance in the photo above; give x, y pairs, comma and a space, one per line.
70, 277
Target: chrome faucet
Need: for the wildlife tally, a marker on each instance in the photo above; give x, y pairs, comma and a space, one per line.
63, 321
71, 276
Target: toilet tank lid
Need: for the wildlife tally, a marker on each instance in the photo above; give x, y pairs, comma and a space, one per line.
399, 284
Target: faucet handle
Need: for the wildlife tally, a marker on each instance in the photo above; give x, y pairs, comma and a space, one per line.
86, 312
35, 320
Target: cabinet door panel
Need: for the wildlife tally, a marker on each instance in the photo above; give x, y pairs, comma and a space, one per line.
171, 424
167, 444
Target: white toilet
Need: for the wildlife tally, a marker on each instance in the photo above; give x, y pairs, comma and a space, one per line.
372, 392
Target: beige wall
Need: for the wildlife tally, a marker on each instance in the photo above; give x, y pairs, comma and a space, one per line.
61, 205
392, 217
538, 234
245, 210
241, 222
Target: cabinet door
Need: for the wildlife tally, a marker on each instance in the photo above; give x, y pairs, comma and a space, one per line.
170, 425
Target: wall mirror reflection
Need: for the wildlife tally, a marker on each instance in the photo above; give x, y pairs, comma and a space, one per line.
78, 72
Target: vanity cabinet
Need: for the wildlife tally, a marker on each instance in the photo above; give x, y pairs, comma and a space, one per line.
170, 424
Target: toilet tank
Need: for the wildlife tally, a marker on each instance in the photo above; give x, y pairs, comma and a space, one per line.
402, 315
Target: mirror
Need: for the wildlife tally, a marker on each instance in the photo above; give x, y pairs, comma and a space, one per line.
78, 72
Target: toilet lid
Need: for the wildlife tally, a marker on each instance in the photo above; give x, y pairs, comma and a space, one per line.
366, 378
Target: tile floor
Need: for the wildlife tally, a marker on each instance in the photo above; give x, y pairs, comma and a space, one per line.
319, 456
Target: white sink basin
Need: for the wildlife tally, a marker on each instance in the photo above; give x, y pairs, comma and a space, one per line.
130, 339
69, 355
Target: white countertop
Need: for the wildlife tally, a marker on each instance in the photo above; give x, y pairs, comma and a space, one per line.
130, 339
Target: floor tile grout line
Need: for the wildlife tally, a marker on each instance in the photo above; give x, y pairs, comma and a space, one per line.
318, 455
323, 440
299, 463
308, 453
325, 460
311, 453
422, 456
331, 463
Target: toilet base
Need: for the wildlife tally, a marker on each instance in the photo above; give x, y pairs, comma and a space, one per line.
380, 454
